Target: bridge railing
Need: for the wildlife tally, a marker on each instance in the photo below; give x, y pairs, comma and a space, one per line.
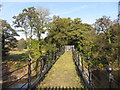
35, 71
92, 75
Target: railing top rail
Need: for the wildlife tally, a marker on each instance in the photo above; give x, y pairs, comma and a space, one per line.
90, 66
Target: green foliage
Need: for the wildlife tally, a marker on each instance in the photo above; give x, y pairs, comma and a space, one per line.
21, 44
35, 48
105, 49
32, 22
58, 31
100, 42
8, 38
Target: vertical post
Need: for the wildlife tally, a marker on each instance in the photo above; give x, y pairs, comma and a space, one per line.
90, 74
51, 55
29, 74
46, 60
110, 81
78, 60
40, 66
82, 65
54, 55
109, 69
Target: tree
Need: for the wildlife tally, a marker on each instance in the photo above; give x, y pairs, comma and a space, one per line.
8, 38
33, 22
103, 24
104, 46
27, 22
42, 23
57, 34
64, 31
115, 32
21, 44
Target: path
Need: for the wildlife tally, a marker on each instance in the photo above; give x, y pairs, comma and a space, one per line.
62, 74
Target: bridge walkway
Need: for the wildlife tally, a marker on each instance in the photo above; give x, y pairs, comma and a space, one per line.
62, 74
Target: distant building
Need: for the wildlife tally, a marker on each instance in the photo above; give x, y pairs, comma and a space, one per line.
119, 12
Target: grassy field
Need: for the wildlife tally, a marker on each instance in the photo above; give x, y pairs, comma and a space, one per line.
62, 74
13, 61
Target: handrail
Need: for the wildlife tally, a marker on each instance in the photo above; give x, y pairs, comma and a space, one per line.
13, 71
56, 55
16, 81
81, 68
23, 86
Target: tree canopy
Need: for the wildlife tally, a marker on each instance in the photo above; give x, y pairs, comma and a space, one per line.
8, 38
100, 42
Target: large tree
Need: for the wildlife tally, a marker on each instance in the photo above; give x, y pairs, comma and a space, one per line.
8, 38
42, 23
106, 41
58, 31
32, 22
64, 31
27, 22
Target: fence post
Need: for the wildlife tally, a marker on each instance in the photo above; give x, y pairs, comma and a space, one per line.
109, 69
90, 74
82, 65
40, 66
54, 55
78, 60
29, 74
110, 81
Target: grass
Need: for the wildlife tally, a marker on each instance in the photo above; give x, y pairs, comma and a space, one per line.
15, 60
62, 74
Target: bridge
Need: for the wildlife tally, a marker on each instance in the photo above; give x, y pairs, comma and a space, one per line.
62, 69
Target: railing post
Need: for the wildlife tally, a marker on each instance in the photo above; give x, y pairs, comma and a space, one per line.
47, 59
110, 81
82, 65
78, 60
29, 74
40, 66
54, 55
109, 69
89, 74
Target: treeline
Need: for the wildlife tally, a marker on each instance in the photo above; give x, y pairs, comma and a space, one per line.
100, 41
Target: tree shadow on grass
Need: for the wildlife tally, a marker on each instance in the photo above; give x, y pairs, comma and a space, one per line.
17, 57
5, 77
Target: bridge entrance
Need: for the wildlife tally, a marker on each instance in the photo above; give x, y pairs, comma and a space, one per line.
69, 48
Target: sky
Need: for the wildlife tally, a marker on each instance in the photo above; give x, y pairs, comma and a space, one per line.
87, 11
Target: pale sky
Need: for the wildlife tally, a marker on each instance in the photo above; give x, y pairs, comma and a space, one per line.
87, 11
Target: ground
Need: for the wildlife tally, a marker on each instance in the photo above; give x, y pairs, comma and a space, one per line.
15, 60
62, 74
